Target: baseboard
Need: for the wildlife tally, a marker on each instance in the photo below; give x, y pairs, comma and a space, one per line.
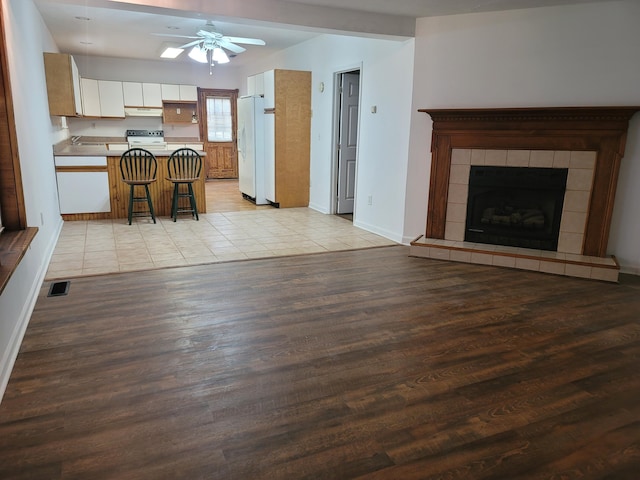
11, 353
379, 231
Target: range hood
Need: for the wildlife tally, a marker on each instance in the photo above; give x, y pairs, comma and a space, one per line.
143, 111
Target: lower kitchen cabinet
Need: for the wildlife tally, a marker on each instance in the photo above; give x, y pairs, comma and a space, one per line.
106, 196
83, 184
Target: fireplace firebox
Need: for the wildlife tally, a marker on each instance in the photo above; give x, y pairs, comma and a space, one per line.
512, 206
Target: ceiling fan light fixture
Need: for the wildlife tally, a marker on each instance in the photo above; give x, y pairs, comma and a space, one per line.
198, 54
219, 55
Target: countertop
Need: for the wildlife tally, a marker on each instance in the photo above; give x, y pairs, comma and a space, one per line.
98, 146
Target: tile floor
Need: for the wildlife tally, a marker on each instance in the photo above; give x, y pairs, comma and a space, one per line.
108, 246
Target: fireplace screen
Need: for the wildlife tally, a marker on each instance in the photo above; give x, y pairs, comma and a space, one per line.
514, 206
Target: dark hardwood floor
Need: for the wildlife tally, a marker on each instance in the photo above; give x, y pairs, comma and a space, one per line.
360, 364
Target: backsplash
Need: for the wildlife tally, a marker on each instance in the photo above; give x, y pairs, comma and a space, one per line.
117, 127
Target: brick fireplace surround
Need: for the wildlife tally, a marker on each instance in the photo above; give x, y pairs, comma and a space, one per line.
588, 141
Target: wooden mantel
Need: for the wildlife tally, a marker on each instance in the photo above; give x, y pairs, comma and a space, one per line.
599, 129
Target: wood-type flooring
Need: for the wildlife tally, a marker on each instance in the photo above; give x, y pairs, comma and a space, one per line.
365, 364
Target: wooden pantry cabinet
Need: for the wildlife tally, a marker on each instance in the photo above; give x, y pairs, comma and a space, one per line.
63, 85
287, 108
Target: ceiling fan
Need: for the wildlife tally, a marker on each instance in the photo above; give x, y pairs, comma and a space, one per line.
209, 46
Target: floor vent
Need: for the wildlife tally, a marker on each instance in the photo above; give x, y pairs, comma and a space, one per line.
58, 289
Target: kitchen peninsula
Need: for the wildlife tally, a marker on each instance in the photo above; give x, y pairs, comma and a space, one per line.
90, 186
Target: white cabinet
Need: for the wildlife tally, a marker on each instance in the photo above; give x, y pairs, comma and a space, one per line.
152, 95
188, 93
170, 92
111, 98
90, 97
82, 191
255, 85
138, 94
269, 84
102, 98
132, 92
176, 93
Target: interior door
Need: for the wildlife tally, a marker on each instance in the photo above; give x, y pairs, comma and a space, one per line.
218, 123
348, 143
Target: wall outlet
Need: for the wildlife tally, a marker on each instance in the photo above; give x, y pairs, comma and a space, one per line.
370, 200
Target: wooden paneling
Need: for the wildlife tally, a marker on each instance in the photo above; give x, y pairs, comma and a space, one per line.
365, 364
179, 112
161, 193
599, 129
14, 215
293, 137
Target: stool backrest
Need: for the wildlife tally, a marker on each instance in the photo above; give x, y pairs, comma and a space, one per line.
138, 165
184, 163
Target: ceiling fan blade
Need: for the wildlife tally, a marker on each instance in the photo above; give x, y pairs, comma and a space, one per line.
206, 33
190, 44
247, 41
172, 35
231, 46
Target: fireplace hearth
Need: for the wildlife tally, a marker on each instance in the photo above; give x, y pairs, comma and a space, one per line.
589, 142
515, 206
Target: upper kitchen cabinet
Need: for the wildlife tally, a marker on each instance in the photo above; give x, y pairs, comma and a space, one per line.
268, 85
255, 84
102, 98
63, 85
179, 93
90, 97
287, 137
137, 94
111, 99
152, 94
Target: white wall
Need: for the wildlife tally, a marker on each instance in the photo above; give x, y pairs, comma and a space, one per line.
26, 39
386, 79
581, 55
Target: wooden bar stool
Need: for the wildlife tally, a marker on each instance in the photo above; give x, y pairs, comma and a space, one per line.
138, 168
184, 166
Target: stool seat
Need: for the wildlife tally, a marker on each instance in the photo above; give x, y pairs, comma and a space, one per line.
184, 167
138, 168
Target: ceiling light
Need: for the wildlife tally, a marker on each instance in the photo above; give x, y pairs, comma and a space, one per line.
219, 55
198, 54
170, 51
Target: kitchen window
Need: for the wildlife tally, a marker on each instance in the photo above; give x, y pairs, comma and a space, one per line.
219, 119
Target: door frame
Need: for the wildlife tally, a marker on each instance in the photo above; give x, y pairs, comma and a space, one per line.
233, 94
335, 135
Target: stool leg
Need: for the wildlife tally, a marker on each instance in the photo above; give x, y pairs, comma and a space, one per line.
192, 200
174, 203
131, 187
153, 215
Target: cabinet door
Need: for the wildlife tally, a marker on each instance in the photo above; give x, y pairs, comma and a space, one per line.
111, 98
90, 97
188, 93
83, 192
269, 83
152, 95
75, 79
270, 157
170, 92
132, 92
63, 84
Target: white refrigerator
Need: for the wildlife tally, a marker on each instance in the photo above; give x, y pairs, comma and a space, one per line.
251, 148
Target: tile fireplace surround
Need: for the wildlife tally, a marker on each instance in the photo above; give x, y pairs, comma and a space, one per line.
588, 141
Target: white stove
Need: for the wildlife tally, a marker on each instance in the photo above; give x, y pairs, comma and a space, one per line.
147, 139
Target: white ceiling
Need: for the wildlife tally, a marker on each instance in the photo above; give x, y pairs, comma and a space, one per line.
129, 28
